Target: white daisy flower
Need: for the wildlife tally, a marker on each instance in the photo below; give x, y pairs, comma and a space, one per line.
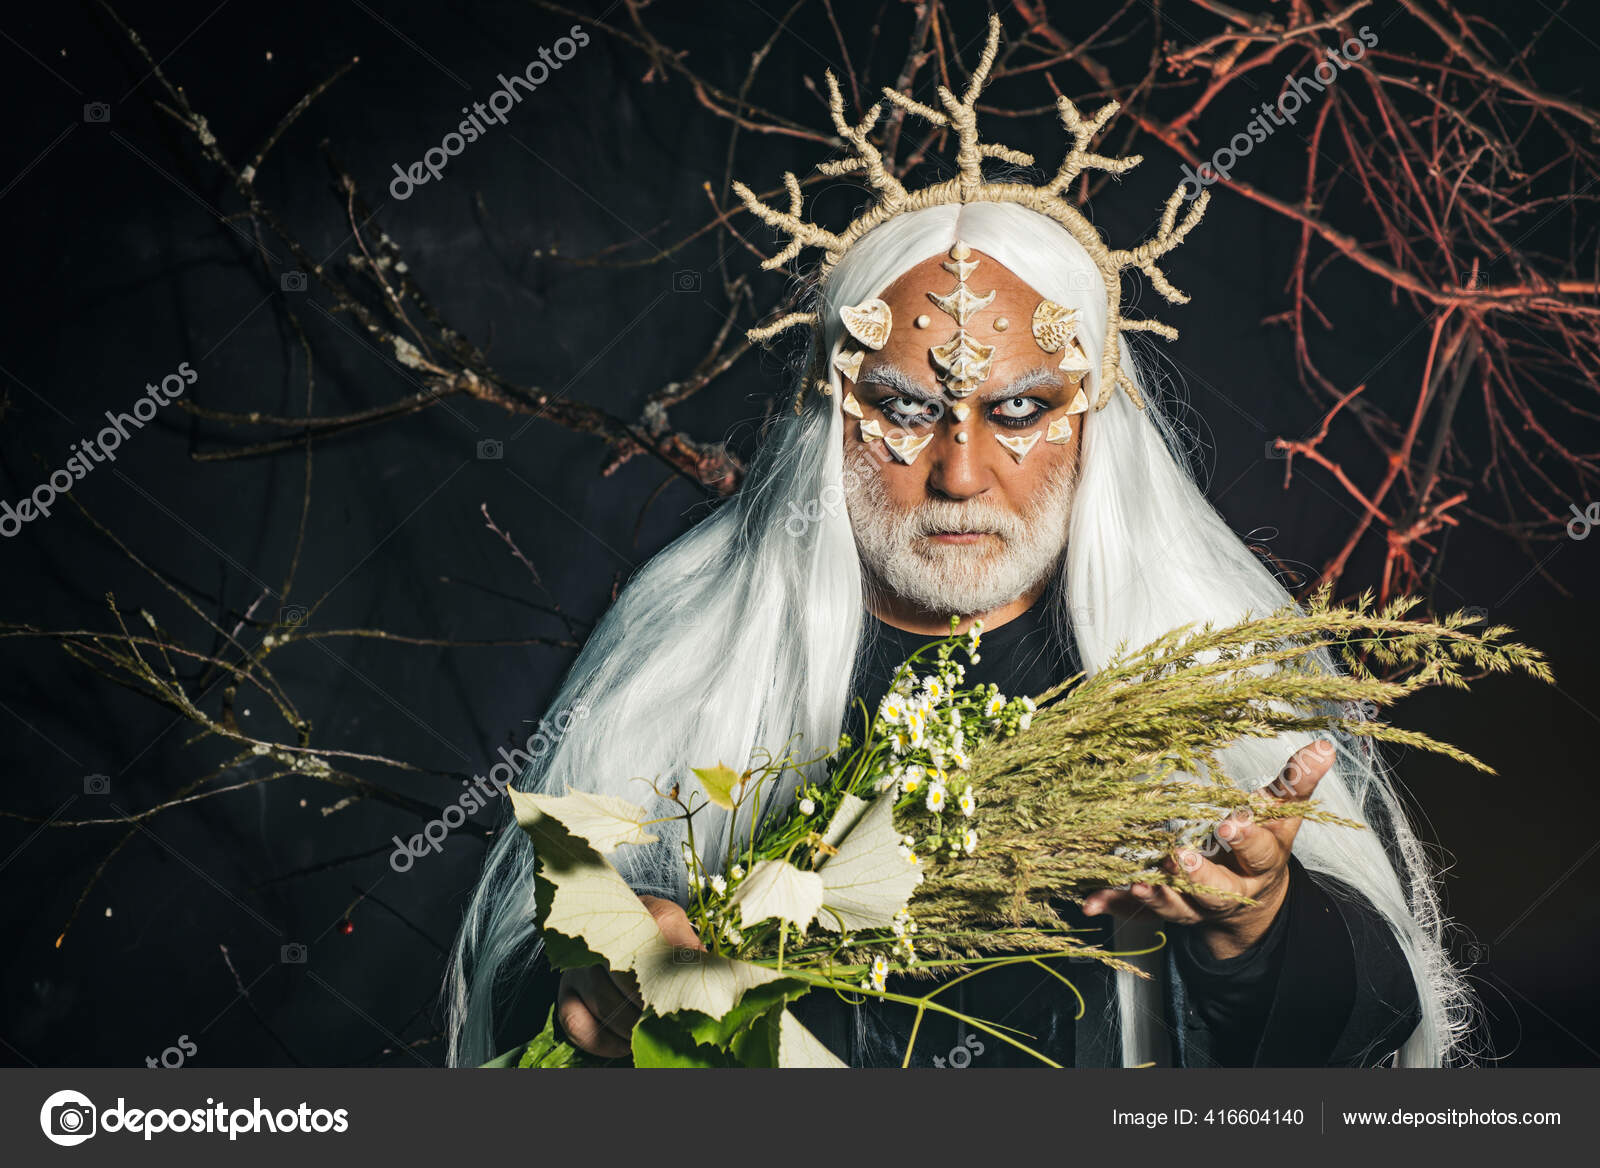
912, 780
807, 806
970, 840
719, 885
935, 797
738, 872
966, 802
880, 971
892, 709
992, 707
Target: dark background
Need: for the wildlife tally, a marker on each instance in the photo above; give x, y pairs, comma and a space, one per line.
120, 269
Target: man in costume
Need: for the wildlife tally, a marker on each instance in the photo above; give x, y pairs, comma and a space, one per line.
971, 438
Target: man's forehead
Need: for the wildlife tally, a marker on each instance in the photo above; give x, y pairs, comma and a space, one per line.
924, 382
956, 325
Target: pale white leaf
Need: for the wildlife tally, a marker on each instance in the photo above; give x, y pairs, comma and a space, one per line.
605, 821
798, 1047
776, 888
591, 901
693, 979
845, 816
869, 880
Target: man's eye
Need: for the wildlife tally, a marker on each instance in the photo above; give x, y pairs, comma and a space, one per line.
1016, 411
908, 409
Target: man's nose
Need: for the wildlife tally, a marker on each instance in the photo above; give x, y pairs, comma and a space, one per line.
956, 469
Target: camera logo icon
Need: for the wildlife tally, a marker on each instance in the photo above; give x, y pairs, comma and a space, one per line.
686, 280
292, 281
687, 955
294, 953
67, 1118
490, 449
97, 784
97, 111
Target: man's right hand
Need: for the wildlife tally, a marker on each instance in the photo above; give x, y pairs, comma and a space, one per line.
598, 1008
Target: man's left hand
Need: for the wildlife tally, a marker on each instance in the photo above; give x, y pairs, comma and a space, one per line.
1254, 862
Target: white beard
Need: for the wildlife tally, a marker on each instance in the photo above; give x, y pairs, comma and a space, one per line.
962, 579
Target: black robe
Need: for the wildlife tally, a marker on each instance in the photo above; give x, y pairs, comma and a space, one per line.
1325, 986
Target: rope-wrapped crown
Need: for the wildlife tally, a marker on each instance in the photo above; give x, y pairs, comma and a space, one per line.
969, 186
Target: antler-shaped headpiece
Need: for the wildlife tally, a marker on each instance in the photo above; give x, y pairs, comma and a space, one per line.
969, 186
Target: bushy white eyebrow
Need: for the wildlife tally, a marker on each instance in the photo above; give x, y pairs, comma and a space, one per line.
900, 381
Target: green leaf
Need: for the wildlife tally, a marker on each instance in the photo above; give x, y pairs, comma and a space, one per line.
508, 1059
756, 1002
666, 1042
719, 782
546, 1051
757, 1044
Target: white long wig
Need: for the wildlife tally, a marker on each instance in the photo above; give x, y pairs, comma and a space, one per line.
743, 635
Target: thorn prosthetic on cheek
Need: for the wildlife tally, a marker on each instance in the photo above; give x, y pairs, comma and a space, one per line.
851, 406
905, 447
1017, 444
871, 429
1059, 430
961, 410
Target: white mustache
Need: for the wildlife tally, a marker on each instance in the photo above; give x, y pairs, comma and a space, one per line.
940, 519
